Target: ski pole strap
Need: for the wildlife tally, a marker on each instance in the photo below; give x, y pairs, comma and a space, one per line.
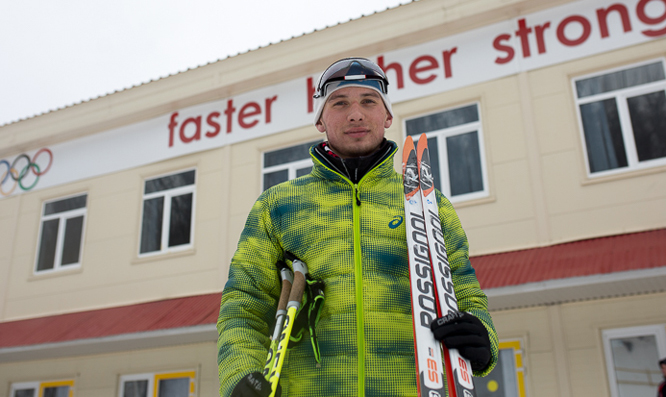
316, 294
308, 317
309, 314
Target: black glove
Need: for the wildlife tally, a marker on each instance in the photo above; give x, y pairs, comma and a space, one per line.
466, 333
254, 385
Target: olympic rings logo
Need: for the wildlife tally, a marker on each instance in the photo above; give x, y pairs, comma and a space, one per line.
19, 170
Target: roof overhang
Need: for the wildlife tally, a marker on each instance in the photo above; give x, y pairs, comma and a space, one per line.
573, 289
111, 344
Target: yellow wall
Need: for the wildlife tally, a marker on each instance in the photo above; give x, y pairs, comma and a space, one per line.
99, 375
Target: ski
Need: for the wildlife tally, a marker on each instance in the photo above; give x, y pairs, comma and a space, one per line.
429, 366
459, 370
430, 278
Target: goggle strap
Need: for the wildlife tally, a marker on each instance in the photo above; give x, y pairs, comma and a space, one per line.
376, 83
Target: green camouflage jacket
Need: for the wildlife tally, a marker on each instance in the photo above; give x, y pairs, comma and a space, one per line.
351, 236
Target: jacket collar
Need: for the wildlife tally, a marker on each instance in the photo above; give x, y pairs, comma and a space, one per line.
330, 166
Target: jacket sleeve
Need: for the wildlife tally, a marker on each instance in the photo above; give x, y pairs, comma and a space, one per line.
471, 298
249, 300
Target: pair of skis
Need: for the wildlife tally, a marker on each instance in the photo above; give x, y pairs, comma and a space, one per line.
293, 286
430, 278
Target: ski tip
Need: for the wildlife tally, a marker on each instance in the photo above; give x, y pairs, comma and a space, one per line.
410, 173
423, 159
407, 148
421, 147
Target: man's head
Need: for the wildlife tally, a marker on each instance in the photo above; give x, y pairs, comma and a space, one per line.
662, 364
352, 107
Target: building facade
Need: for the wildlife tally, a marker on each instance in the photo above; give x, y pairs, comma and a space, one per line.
547, 123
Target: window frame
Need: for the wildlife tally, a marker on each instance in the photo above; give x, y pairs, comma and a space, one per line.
518, 353
515, 345
39, 386
442, 134
168, 194
659, 332
633, 163
292, 167
154, 379
62, 216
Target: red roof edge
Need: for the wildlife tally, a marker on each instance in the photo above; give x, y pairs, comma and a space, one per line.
143, 317
598, 256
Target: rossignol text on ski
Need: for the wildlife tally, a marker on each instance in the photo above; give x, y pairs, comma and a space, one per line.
430, 277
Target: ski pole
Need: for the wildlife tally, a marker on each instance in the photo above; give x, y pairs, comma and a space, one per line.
295, 297
287, 277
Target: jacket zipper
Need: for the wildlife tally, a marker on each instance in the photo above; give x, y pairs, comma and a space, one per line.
358, 278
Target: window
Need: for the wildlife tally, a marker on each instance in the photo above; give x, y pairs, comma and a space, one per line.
43, 389
286, 164
507, 379
632, 359
175, 384
455, 142
61, 234
168, 207
622, 114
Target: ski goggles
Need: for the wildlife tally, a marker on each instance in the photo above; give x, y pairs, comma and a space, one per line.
356, 71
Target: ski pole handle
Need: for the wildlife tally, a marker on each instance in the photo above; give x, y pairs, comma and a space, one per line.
297, 289
287, 280
295, 297
287, 277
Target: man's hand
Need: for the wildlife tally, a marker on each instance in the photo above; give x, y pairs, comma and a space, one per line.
254, 385
466, 333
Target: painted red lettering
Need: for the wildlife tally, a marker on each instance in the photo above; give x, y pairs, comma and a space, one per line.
429, 63
497, 44
448, 72
523, 32
213, 123
229, 111
541, 43
396, 67
245, 113
462, 363
248, 116
585, 24
269, 103
311, 91
464, 373
602, 18
646, 19
197, 131
172, 125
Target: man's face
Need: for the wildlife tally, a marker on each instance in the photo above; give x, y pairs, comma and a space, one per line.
354, 119
663, 369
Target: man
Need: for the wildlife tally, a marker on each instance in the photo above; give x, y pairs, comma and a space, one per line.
661, 391
340, 221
